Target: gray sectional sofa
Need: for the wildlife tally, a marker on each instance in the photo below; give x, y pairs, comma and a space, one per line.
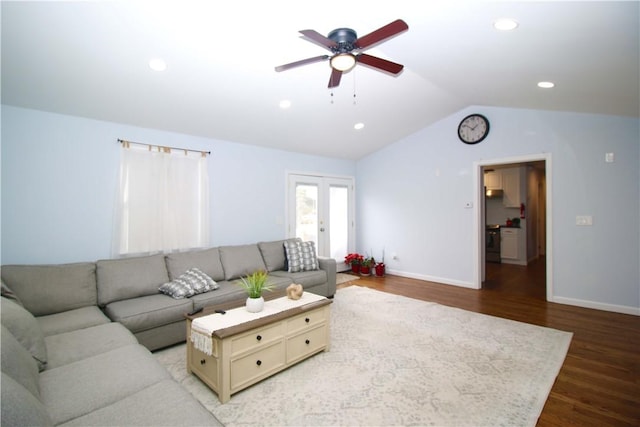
74, 335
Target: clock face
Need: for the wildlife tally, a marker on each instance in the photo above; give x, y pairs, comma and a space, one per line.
473, 129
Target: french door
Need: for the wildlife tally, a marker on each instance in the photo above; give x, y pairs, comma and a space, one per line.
321, 209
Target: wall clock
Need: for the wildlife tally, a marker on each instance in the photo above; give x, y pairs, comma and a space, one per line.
473, 129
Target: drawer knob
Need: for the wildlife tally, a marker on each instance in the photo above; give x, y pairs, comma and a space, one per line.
259, 362
202, 362
259, 337
307, 342
307, 320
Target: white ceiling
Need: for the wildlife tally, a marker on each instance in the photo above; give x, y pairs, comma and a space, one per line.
90, 59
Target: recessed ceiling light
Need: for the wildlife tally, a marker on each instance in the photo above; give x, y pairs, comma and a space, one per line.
285, 103
505, 24
546, 85
358, 126
157, 64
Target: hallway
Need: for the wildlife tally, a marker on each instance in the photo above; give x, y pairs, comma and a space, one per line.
529, 280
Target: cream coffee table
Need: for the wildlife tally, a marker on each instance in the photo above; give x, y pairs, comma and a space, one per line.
231, 351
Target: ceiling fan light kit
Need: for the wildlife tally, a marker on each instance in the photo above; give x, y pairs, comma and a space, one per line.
343, 62
347, 48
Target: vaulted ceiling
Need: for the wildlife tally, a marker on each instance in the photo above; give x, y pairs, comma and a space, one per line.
90, 59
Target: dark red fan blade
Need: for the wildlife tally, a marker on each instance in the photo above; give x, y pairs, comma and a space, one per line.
382, 34
315, 36
334, 80
379, 63
302, 62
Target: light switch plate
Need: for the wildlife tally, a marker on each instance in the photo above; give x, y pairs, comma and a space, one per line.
584, 220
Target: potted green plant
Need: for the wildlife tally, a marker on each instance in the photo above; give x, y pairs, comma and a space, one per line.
365, 266
255, 283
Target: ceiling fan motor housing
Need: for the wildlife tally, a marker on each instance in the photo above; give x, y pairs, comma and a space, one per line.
344, 38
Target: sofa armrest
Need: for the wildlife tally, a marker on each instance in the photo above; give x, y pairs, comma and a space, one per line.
329, 265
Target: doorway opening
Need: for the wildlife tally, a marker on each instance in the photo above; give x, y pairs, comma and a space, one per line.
514, 226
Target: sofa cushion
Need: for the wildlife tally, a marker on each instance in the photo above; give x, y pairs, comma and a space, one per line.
72, 346
208, 261
163, 404
125, 278
25, 329
48, 289
301, 256
232, 292
20, 407
304, 278
274, 254
240, 260
81, 387
72, 320
18, 363
9, 294
140, 314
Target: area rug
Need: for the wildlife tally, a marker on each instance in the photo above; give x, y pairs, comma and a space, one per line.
344, 278
401, 361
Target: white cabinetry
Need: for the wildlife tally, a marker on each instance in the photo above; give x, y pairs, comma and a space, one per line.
512, 246
512, 181
493, 180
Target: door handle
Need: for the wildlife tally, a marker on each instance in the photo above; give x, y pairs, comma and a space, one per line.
322, 229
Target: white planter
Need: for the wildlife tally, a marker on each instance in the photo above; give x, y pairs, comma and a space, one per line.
255, 305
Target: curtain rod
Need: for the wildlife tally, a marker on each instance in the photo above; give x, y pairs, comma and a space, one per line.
124, 141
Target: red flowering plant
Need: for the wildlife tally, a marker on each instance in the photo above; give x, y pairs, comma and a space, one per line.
353, 259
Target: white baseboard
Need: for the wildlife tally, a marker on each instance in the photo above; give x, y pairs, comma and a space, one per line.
560, 300
432, 279
597, 305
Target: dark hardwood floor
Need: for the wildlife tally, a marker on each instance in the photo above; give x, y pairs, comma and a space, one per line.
599, 383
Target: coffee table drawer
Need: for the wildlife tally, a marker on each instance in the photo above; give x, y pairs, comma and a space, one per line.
306, 343
257, 365
306, 320
256, 338
206, 366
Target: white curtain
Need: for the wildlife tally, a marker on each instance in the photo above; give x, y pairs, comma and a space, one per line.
163, 201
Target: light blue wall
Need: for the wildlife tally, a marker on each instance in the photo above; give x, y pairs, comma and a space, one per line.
411, 198
59, 177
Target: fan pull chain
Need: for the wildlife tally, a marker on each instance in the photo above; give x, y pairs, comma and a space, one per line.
331, 97
354, 87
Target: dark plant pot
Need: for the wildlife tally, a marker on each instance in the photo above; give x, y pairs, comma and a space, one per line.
365, 271
380, 269
355, 268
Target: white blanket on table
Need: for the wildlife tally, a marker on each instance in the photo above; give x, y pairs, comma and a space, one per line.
202, 328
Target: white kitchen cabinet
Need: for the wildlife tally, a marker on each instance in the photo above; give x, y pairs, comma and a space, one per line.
511, 186
493, 180
512, 246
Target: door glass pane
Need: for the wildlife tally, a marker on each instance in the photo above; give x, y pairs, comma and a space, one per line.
307, 212
338, 221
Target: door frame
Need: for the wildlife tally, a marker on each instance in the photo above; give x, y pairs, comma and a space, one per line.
351, 242
479, 225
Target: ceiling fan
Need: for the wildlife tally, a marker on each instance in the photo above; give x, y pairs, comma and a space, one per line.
347, 47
